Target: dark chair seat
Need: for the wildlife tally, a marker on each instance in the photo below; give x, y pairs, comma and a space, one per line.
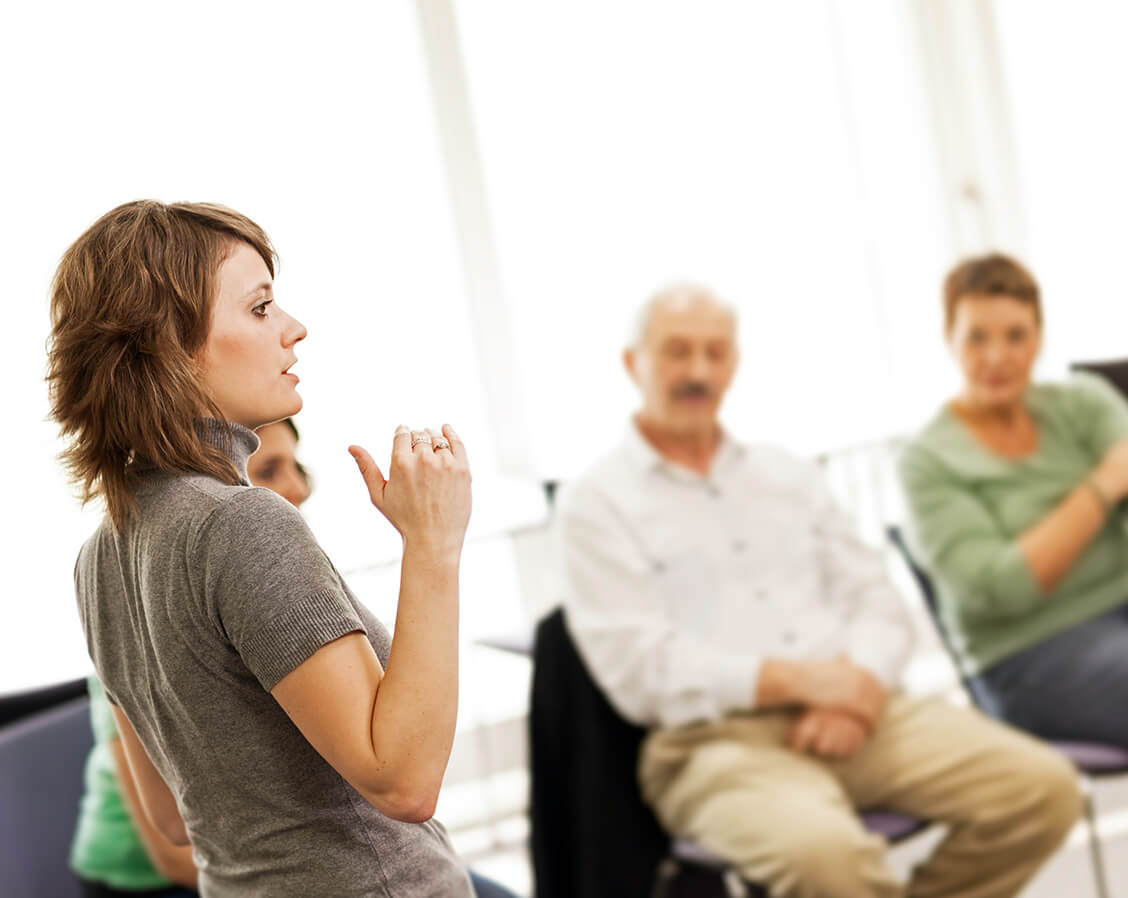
41, 780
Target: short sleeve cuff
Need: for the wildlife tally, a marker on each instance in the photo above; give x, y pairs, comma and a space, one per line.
294, 636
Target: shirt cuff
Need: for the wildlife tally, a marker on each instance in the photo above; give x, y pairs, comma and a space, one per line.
738, 682
886, 666
295, 635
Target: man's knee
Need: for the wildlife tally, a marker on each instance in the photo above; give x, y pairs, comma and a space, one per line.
832, 858
713, 769
1046, 795
1056, 793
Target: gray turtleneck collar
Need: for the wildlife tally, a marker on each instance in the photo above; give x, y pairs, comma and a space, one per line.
235, 441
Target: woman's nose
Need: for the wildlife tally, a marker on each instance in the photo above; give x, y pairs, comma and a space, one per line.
294, 332
294, 490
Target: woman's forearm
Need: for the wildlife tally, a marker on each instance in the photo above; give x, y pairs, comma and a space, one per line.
173, 861
1053, 545
416, 704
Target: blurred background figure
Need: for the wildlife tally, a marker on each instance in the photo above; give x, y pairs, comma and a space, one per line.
723, 602
1015, 491
275, 465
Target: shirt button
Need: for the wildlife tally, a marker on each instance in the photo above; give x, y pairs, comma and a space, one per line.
738, 545
714, 490
789, 637
761, 595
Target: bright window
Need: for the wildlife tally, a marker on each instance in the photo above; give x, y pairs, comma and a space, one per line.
318, 124
1065, 72
778, 153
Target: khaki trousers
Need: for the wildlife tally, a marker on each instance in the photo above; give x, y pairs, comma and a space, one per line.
788, 820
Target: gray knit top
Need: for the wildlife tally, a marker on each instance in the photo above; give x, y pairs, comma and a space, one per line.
192, 613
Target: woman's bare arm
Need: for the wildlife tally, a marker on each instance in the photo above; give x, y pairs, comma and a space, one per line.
173, 861
389, 733
156, 798
1055, 543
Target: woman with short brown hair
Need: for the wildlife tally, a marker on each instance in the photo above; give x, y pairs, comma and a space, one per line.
1015, 492
254, 694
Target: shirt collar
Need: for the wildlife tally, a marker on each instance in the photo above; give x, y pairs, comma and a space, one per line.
646, 458
235, 441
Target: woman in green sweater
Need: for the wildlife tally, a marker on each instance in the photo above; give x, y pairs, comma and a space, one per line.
1015, 496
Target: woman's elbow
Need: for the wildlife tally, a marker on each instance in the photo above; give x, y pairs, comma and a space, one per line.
417, 812
407, 806
171, 826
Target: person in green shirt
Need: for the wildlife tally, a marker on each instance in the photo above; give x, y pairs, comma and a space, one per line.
1015, 494
115, 850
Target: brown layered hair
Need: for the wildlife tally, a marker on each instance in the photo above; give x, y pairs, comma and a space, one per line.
131, 307
990, 275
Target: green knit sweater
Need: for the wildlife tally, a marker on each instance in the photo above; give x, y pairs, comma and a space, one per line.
968, 506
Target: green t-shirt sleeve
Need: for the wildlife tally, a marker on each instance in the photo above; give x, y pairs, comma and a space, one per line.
1098, 411
961, 543
101, 715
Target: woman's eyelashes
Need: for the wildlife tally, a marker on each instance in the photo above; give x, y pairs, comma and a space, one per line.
260, 310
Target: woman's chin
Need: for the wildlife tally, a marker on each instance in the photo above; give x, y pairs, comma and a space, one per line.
998, 398
292, 406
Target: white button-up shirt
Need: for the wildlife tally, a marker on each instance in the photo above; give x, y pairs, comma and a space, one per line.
679, 585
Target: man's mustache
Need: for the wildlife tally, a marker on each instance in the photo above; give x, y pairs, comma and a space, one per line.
693, 389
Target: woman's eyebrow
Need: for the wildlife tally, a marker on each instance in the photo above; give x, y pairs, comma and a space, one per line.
265, 285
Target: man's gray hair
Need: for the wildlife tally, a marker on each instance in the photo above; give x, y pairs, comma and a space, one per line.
682, 291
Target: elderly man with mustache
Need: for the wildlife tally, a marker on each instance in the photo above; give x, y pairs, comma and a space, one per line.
721, 600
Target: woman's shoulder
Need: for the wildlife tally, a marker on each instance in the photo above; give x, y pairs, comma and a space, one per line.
938, 435
231, 515
1080, 390
249, 506
943, 452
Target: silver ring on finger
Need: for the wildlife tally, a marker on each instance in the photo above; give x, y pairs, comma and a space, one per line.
440, 443
417, 438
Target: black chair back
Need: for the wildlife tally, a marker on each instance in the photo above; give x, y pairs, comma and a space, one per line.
980, 695
1115, 371
592, 835
927, 592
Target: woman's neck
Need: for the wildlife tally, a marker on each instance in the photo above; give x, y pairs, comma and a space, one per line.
996, 415
1008, 430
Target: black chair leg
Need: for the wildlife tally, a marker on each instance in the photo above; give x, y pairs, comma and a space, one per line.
734, 885
1094, 840
668, 868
